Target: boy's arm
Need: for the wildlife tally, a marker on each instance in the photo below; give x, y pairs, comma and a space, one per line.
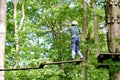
80, 31
64, 30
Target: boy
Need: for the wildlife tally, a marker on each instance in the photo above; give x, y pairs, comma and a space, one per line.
75, 40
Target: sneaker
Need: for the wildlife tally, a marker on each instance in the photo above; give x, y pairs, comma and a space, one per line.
72, 59
81, 58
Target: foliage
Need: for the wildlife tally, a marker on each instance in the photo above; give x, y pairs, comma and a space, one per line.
115, 68
40, 40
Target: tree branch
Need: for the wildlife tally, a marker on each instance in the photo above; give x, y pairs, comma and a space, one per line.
23, 16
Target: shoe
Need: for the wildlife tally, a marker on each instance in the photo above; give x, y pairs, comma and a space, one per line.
72, 59
81, 58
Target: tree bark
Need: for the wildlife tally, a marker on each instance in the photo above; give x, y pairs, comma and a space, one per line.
3, 6
15, 2
115, 76
84, 36
17, 29
112, 10
96, 33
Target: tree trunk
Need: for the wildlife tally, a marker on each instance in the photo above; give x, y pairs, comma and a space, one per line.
16, 33
115, 76
3, 6
17, 28
113, 24
96, 33
84, 36
112, 10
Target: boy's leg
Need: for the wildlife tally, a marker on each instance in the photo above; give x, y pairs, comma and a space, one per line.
73, 54
73, 41
77, 48
80, 54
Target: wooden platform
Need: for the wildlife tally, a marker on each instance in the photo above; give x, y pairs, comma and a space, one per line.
113, 56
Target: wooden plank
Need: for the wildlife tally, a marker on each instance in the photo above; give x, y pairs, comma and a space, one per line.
62, 62
59, 62
42, 65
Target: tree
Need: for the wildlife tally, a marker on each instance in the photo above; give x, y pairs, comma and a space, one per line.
3, 7
96, 33
40, 40
84, 36
112, 22
17, 28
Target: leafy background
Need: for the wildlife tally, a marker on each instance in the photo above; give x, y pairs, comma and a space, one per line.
40, 40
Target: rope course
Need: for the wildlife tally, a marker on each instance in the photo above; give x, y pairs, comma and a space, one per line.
43, 64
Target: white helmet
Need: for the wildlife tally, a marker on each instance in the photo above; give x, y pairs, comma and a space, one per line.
74, 22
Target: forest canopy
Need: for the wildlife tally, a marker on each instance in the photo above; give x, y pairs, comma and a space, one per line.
33, 36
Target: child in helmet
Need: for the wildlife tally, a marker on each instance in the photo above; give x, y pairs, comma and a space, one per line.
75, 40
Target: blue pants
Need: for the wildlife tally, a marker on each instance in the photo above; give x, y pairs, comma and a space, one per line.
75, 42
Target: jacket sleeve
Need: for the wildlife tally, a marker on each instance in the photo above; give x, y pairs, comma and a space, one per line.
64, 29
